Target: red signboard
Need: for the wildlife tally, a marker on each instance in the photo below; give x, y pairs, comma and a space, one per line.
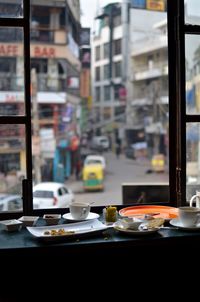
8, 50
46, 52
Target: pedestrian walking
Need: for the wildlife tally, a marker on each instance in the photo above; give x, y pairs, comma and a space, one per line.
78, 169
118, 148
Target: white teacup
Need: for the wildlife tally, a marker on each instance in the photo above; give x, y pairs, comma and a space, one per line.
79, 210
195, 198
189, 216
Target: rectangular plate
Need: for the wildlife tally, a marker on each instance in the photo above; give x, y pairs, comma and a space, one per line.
77, 229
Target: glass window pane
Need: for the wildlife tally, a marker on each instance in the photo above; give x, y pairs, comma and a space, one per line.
11, 10
11, 71
192, 12
12, 166
192, 52
130, 109
137, 92
192, 158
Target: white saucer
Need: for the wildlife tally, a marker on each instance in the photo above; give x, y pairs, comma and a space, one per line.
91, 216
176, 223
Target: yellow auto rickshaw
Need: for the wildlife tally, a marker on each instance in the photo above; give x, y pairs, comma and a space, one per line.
93, 177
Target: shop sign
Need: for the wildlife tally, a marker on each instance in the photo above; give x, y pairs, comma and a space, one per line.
85, 36
85, 57
11, 97
8, 50
138, 4
46, 52
85, 83
156, 5
73, 82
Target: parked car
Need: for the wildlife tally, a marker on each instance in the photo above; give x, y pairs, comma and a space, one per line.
10, 202
51, 195
100, 143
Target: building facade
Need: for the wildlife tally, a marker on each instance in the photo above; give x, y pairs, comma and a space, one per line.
55, 71
149, 105
108, 93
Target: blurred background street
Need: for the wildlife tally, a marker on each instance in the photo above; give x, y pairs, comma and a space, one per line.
122, 170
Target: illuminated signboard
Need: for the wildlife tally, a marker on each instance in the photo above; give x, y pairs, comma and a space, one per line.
156, 5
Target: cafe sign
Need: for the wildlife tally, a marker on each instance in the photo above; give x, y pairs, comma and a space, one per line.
8, 50
14, 50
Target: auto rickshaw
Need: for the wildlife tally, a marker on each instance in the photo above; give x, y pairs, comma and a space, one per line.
93, 177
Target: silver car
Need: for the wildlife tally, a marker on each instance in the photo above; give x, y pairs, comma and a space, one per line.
9, 202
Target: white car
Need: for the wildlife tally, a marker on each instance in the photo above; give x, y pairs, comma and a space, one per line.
100, 143
9, 202
95, 159
51, 195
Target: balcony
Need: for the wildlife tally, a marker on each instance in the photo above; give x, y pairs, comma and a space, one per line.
150, 70
45, 35
10, 82
149, 44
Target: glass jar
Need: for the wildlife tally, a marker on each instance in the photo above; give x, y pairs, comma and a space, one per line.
110, 214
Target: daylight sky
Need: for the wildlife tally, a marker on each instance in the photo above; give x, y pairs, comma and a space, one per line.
88, 8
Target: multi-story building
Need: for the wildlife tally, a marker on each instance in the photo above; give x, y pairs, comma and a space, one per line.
149, 106
117, 90
108, 92
55, 65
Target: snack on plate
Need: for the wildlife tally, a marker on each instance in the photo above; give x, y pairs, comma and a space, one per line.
58, 232
155, 223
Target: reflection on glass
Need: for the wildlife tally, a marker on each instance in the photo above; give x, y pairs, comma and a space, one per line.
192, 158
11, 10
12, 166
11, 71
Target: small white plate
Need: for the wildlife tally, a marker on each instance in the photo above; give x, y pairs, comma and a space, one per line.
140, 232
176, 223
91, 216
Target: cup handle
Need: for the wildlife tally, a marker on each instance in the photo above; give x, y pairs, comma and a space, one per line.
192, 199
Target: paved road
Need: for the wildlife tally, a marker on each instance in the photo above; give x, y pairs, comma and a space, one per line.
119, 171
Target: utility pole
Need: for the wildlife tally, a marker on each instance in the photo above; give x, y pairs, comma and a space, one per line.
126, 66
36, 135
156, 118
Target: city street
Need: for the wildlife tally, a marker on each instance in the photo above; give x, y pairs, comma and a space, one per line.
122, 170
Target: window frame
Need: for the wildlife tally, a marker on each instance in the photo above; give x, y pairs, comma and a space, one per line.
23, 22
177, 115
185, 29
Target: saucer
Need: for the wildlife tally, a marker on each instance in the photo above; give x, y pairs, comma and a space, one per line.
176, 223
91, 216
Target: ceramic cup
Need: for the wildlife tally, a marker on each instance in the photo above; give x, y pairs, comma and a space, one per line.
189, 216
195, 198
79, 210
